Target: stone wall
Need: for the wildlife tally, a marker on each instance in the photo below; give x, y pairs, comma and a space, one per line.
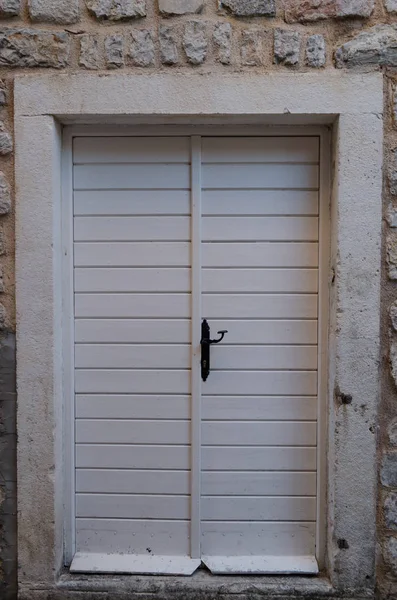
220, 36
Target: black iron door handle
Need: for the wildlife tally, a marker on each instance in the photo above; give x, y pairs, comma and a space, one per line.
205, 348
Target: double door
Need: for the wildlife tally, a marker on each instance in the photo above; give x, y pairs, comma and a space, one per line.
178, 462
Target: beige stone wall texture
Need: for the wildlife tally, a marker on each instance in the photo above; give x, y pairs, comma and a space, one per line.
222, 36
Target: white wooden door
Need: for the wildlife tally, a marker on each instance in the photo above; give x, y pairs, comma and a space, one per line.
170, 470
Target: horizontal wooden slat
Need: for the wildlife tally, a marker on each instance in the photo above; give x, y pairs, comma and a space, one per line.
267, 331
259, 229
133, 407
123, 431
260, 149
132, 202
259, 202
134, 457
133, 176
263, 357
143, 280
118, 229
269, 483
258, 280
134, 305
103, 381
134, 254
284, 383
263, 407
256, 306
258, 254
132, 506
279, 508
154, 331
251, 176
113, 481
257, 538
133, 537
253, 458
123, 356
131, 149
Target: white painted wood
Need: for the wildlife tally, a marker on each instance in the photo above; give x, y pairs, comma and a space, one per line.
264, 357
265, 408
131, 202
259, 202
131, 149
134, 254
141, 356
239, 176
244, 306
263, 483
134, 306
120, 229
133, 407
164, 331
113, 481
261, 508
261, 565
255, 280
267, 331
256, 458
132, 457
256, 254
149, 381
89, 562
259, 229
117, 536
144, 176
253, 433
270, 149
283, 383
127, 506
258, 538
123, 431
140, 280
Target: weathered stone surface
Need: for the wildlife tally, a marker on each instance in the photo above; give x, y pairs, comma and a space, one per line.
250, 8
34, 48
3, 93
10, 8
390, 510
316, 10
168, 37
251, 47
392, 430
388, 474
142, 48
374, 46
114, 51
117, 10
54, 11
6, 145
393, 315
222, 37
390, 553
286, 46
391, 215
88, 52
393, 175
180, 7
391, 255
391, 6
5, 195
315, 51
195, 42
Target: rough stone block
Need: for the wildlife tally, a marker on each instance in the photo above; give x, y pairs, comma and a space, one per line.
316, 10
391, 255
251, 47
180, 7
117, 10
6, 145
195, 42
54, 11
391, 6
376, 46
34, 48
114, 51
390, 553
388, 474
3, 93
9, 8
88, 52
390, 510
5, 195
393, 315
222, 37
142, 48
168, 37
250, 8
287, 46
315, 51
392, 431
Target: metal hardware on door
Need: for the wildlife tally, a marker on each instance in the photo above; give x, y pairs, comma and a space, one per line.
205, 347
